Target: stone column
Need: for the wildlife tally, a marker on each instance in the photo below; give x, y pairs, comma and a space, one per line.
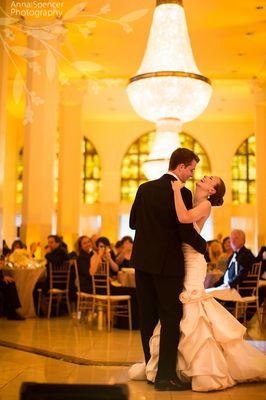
70, 163
10, 171
39, 150
110, 199
260, 134
3, 116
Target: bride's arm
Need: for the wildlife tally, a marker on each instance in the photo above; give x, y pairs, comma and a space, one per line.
188, 216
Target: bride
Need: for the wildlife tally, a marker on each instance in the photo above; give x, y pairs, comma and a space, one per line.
212, 353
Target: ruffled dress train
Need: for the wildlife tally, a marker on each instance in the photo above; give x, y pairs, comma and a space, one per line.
212, 353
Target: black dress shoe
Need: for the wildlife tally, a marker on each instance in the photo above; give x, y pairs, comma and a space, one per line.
174, 385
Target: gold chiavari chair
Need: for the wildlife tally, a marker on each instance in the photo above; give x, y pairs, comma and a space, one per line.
59, 278
84, 300
249, 290
112, 305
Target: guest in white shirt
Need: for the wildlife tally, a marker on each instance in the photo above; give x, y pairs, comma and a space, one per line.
239, 263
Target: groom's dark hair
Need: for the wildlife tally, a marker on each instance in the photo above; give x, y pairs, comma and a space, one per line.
182, 156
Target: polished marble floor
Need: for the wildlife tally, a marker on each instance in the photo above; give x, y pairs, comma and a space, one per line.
67, 346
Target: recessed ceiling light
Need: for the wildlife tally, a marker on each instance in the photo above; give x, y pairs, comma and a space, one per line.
241, 54
259, 7
234, 71
250, 33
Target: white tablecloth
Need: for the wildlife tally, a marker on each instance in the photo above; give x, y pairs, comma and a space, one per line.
127, 277
226, 294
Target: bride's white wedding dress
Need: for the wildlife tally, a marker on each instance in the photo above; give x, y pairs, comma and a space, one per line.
212, 352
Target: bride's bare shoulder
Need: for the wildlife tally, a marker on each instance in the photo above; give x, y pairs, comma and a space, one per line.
204, 205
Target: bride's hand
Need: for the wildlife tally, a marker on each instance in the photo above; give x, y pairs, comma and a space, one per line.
177, 185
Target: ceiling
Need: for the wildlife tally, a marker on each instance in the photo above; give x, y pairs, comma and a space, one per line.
228, 41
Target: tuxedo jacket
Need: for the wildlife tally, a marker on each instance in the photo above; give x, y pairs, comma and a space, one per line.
244, 259
159, 234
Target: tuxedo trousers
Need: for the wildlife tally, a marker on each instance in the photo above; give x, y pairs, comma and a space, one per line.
158, 299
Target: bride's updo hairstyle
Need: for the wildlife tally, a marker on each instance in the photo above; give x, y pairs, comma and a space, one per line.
216, 199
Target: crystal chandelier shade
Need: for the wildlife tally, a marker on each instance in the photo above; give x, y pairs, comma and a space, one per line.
168, 88
168, 82
168, 47
166, 140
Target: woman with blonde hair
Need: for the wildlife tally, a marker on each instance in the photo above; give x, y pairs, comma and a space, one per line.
215, 251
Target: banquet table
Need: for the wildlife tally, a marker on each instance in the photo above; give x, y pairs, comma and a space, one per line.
224, 293
25, 280
127, 286
127, 277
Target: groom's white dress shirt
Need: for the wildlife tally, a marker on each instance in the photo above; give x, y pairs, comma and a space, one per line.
171, 173
226, 279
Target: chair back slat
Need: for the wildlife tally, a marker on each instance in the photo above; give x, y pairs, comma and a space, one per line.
60, 275
101, 279
255, 270
77, 281
251, 282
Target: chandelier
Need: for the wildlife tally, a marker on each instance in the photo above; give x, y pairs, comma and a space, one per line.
168, 88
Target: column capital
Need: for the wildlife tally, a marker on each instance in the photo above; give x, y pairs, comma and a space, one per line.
259, 91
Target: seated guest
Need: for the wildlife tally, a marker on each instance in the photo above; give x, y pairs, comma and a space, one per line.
118, 248
35, 250
55, 255
63, 244
226, 254
9, 297
17, 244
104, 252
84, 254
5, 249
123, 258
215, 250
239, 263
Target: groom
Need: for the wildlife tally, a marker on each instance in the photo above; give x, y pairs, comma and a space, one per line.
159, 262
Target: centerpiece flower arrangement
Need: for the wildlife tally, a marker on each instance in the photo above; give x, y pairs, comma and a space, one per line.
20, 258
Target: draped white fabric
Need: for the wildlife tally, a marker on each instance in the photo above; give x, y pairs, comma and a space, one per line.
212, 352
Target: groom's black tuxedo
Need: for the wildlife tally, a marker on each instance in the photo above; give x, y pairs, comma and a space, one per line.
159, 234
158, 259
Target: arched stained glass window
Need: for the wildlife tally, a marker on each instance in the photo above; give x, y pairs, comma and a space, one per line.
244, 173
91, 173
132, 172
19, 184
